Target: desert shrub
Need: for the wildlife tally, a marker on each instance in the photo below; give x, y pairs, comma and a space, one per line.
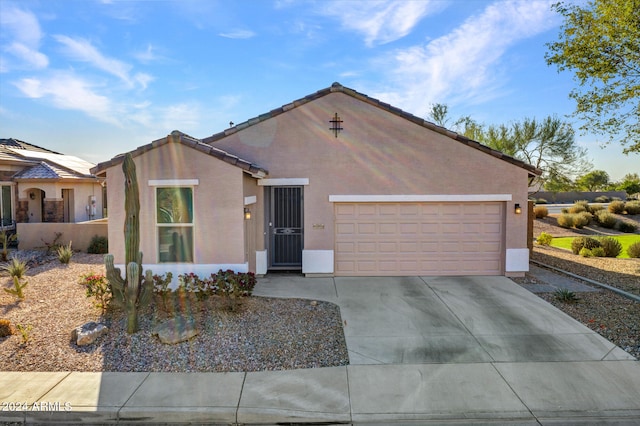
65, 253
598, 252
634, 250
595, 208
627, 227
577, 208
564, 210
585, 252
566, 296
582, 219
566, 220
632, 207
541, 201
5, 328
579, 243
544, 239
610, 246
97, 286
602, 199
16, 267
606, 219
540, 212
98, 245
616, 207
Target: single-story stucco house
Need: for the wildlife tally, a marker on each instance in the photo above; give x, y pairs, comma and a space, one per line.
335, 183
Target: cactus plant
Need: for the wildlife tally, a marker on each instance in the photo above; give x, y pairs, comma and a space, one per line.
134, 291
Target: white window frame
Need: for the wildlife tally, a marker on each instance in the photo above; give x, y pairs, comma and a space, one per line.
157, 185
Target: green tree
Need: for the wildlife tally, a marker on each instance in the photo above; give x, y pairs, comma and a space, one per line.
439, 114
630, 184
595, 180
600, 43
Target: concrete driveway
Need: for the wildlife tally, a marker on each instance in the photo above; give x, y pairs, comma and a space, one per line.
420, 320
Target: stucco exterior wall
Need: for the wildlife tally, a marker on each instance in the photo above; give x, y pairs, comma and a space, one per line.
217, 204
53, 200
377, 153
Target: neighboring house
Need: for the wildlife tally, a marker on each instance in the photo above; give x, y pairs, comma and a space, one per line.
40, 185
335, 183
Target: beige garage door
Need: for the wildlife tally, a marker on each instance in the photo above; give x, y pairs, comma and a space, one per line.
419, 239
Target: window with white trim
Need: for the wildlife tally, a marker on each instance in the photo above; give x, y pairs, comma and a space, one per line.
174, 223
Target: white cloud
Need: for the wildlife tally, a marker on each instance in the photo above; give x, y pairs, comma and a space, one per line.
381, 21
464, 63
82, 50
21, 39
66, 91
238, 34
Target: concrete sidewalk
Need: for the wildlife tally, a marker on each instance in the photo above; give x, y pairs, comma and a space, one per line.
431, 350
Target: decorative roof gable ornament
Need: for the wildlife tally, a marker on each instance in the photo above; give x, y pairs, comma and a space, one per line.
336, 124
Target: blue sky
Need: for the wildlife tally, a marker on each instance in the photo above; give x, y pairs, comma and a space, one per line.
98, 78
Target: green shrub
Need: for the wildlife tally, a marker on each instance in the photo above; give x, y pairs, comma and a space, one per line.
616, 207
540, 212
544, 239
579, 243
585, 252
602, 199
582, 219
5, 328
566, 296
98, 245
634, 250
632, 207
606, 219
16, 267
97, 286
577, 208
566, 220
627, 227
610, 246
541, 201
65, 253
598, 252
595, 208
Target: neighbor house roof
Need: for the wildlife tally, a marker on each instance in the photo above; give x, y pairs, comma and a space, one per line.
337, 87
184, 139
42, 163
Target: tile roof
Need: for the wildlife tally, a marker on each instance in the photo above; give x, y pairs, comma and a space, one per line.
16, 143
337, 87
179, 137
40, 171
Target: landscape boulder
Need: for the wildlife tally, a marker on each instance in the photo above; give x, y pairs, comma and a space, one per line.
176, 330
87, 333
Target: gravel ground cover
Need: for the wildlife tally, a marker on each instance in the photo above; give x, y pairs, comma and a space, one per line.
614, 317
262, 334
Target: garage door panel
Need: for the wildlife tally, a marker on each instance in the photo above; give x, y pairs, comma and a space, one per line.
419, 238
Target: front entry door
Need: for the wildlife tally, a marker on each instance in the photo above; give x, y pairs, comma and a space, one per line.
285, 227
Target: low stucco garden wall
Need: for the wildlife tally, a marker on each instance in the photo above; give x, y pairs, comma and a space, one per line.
35, 235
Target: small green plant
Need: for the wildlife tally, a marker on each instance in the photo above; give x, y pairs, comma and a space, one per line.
632, 207
634, 250
565, 296
5, 328
52, 247
65, 253
161, 287
606, 219
25, 330
98, 245
598, 252
585, 252
6, 238
579, 243
16, 267
616, 207
544, 239
610, 246
540, 212
97, 286
18, 285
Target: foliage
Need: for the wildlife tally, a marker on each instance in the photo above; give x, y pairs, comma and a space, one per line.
583, 219
52, 247
565, 296
6, 239
583, 242
585, 252
634, 250
632, 207
630, 184
98, 245
18, 285
5, 328
16, 267
616, 207
606, 219
577, 208
544, 239
600, 43
540, 212
566, 220
610, 246
161, 287
626, 227
598, 252
567, 243
25, 330
65, 253
595, 180
595, 208
136, 290
97, 286
602, 199
541, 201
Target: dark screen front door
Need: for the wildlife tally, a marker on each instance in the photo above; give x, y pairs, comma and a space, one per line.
286, 227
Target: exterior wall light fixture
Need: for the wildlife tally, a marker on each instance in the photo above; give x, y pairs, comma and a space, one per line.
247, 214
518, 209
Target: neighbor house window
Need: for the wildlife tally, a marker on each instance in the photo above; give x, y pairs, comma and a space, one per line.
174, 219
6, 208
